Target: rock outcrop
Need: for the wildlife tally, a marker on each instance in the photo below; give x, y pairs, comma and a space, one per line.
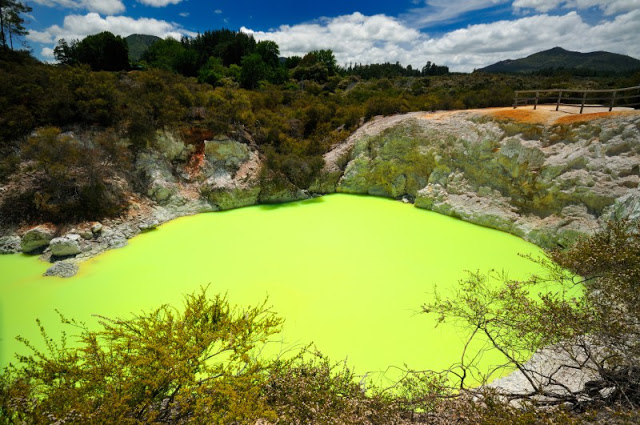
66, 245
157, 172
548, 182
62, 269
547, 177
9, 244
36, 238
232, 174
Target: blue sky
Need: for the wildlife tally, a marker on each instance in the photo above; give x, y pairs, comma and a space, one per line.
460, 34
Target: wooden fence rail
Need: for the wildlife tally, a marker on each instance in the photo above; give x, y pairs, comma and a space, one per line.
596, 98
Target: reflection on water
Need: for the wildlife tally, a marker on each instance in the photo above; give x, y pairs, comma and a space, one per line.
277, 206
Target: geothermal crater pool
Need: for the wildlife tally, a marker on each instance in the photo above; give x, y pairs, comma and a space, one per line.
348, 273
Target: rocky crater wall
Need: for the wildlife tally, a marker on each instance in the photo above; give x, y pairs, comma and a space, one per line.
544, 177
548, 182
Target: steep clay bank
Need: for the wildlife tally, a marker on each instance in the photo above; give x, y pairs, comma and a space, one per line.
543, 175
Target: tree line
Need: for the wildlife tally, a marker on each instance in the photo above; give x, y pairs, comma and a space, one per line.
222, 54
389, 70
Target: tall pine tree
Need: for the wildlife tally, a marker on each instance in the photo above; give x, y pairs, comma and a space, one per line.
11, 21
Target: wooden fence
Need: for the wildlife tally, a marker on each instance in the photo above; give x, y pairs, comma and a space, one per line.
583, 98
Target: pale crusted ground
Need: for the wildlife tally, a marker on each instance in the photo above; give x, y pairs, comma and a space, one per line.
553, 369
373, 127
543, 114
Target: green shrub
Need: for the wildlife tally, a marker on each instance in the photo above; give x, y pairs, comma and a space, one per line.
385, 106
167, 366
67, 180
588, 316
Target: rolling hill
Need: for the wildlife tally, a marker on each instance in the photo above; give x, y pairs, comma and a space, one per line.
559, 58
138, 44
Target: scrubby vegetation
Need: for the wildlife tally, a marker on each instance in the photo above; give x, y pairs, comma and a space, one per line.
68, 179
584, 312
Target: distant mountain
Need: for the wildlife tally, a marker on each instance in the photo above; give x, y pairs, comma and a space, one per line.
559, 58
138, 44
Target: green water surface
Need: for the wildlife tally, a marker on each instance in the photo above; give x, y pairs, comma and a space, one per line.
346, 272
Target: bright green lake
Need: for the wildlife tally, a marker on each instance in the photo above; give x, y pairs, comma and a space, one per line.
346, 272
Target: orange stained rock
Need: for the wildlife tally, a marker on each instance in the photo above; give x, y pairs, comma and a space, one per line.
571, 119
521, 115
544, 114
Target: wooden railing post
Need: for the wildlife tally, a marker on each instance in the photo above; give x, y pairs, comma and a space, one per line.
584, 99
613, 100
572, 99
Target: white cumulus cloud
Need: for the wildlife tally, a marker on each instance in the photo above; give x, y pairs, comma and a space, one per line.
608, 7
159, 3
77, 27
47, 53
39, 36
107, 7
357, 38
353, 38
538, 5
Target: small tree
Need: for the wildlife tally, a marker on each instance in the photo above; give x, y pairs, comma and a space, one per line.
326, 57
102, 52
11, 23
586, 317
212, 72
64, 53
269, 52
317, 65
172, 55
254, 69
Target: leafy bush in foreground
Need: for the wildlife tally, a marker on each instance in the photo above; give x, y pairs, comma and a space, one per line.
587, 320
165, 366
